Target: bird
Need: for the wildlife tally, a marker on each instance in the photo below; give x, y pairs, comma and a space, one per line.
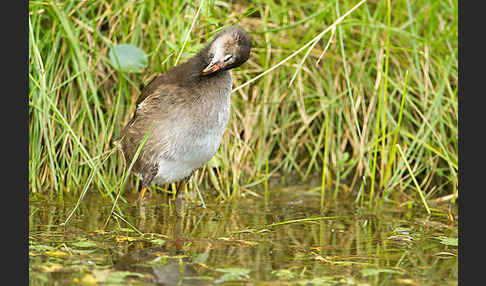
181, 115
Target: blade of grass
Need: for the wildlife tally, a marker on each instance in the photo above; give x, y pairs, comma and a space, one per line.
385, 96
124, 178
316, 38
324, 162
189, 32
419, 190
302, 220
391, 158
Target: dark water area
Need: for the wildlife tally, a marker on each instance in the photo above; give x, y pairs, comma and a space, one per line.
291, 241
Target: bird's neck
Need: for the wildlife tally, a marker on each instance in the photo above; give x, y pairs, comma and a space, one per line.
201, 60
190, 71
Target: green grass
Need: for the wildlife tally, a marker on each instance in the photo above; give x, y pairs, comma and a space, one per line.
387, 79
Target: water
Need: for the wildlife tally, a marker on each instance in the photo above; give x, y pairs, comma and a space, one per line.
241, 242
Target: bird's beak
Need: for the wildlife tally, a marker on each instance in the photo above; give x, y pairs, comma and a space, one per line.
214, 66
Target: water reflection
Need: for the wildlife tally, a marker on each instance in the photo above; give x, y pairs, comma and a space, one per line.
242, 240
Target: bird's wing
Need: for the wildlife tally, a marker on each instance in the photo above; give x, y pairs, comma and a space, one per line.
150, 87
160, 103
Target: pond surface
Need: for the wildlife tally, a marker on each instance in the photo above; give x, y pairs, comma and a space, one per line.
241, 242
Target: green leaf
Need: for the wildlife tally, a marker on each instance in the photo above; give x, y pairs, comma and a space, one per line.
448, 241
241, 271
113, 277
201, 257
40, 247
376, 271
319, 281
86, 243
119, 276
158, 241
128, 58
284, 274
232, 274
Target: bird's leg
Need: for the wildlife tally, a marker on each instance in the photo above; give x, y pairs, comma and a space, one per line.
178, 238
142, 193
179, 208
179, 201
142, 205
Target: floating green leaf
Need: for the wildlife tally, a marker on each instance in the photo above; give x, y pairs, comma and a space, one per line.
85, 243
128, 58
448, 241
158, 241
113, 277
231, 274
376, 271
201, 258
40, 247
284, 274
319, 281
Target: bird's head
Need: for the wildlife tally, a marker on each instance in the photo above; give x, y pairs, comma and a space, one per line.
229, 49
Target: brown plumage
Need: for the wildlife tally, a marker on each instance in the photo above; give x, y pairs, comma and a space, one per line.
186, 110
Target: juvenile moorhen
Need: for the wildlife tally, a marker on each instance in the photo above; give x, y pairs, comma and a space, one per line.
184, 113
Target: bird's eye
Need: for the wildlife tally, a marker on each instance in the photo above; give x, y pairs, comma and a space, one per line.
227, 58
